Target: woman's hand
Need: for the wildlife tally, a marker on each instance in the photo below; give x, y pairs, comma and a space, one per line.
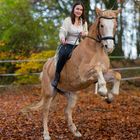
83, 34
63, 41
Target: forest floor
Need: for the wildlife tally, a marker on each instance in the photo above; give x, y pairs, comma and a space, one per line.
95, 119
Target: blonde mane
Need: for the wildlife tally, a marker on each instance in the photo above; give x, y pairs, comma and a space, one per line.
108, 13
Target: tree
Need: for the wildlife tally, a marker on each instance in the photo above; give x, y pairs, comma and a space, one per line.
19, 28
21, 32
87, 8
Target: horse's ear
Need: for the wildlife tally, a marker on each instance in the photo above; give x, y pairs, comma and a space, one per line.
117, 11
98, 11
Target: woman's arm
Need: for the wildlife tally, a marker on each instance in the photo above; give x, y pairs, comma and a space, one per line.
64, 30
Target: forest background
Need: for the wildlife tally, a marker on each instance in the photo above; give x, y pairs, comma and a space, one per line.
29, 31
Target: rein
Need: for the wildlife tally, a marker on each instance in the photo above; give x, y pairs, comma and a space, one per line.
97, 40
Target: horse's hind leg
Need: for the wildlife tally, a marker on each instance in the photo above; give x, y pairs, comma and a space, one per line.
49, 94
71, 101
45, 118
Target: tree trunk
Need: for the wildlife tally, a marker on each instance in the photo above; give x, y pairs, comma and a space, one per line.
138, 33
87, 8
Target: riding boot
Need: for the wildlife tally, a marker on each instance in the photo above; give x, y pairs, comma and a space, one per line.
56, 80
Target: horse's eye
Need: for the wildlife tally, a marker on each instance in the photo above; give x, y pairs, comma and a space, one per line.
102, 25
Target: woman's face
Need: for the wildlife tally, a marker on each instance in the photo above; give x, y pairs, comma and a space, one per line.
78, 10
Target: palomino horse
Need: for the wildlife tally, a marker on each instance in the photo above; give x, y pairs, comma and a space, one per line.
89, 63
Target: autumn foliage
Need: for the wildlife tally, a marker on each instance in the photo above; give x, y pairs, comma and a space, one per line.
95, 119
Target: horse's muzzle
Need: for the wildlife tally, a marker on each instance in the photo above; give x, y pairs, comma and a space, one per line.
108, 50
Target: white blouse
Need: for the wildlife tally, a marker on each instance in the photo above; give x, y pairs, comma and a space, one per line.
70, 32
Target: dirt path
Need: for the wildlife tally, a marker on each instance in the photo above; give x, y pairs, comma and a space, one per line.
95, 119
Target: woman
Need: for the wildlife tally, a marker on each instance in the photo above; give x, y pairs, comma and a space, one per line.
70, 30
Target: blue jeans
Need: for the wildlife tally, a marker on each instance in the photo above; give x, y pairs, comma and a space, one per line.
64, 54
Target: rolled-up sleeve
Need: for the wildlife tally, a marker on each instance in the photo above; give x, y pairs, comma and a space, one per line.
64, 28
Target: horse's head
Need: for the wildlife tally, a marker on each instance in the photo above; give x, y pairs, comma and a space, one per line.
106, 26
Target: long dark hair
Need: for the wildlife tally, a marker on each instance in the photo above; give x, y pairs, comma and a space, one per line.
83, 14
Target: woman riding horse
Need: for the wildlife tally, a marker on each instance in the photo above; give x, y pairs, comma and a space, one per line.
89, 63
69, 32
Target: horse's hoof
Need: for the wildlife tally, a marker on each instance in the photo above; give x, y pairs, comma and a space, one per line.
77, 134
115, 93
109, 98
102, 92
47, 137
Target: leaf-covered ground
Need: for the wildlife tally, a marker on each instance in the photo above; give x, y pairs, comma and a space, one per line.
95, 119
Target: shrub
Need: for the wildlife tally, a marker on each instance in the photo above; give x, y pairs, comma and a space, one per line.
26, 69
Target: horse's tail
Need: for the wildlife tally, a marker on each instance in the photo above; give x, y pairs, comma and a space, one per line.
39, 104
36, 105
40, 76
33, 107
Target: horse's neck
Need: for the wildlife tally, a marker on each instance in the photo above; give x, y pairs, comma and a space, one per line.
91, 43
89, 46
93, 31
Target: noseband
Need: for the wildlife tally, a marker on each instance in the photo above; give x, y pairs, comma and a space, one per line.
99, 37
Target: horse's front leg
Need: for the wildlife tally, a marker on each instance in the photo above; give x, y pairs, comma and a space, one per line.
88, 72
115, 77
116, 85
102, 90
71, 101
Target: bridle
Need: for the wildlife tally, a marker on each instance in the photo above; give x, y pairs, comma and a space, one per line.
99, 37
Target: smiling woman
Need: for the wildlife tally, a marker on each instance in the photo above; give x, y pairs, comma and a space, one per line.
78, 10
70, 30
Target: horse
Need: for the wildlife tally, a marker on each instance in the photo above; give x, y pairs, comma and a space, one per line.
89, 63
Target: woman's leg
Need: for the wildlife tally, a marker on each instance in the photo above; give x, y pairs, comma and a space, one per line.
59, 66
63, 56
